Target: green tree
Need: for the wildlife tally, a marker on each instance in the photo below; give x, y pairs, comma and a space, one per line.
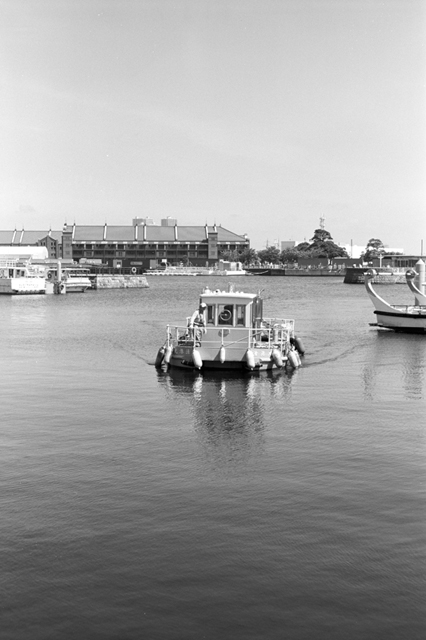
321, 235
329, 250
245, 256
229, 255
303, 247
270, 254
374, 249
289, 255
248, 256
323, 246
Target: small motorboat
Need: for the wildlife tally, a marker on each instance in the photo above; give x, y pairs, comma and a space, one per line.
228, 331
69, 279
398, 317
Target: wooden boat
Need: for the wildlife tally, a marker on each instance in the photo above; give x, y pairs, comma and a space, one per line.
398, 317
20, 277
228, 331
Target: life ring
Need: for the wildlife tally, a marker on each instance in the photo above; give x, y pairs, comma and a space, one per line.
49, 275
133, 270
225, 315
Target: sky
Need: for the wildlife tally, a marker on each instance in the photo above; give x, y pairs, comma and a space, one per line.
259, 115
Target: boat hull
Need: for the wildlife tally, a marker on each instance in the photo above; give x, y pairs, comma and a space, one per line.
22, 286
402, 322
182, 357
77, 285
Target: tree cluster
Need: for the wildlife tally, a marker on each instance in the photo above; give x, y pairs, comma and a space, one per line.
321, 245
374, 249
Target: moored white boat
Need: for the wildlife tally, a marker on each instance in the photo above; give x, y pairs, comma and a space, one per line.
70, 279
398, 317
228, 331
21, 277
179, 271
222, 268
76, 280
225, 268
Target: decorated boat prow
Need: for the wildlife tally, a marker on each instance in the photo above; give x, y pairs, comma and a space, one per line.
419, 296
397, 317
228, 331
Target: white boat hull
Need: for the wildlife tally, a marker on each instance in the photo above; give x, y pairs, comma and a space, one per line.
227, 273
398, 321
404, 318
77, 285
235, 359
22, 286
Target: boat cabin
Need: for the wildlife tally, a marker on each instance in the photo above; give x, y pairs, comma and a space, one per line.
21, 277
231, 308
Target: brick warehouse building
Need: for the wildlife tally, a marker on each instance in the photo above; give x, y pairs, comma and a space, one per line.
142, 245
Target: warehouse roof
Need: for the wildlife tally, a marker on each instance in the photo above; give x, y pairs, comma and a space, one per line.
152, 233
23, 237
122, 233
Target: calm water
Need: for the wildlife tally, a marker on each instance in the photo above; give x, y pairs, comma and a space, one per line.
138, 504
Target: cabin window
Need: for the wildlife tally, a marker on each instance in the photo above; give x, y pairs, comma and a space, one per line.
240, 315
225, 314
210, 313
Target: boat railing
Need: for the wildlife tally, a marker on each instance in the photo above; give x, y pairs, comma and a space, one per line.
409, 308
271, 333
8, 264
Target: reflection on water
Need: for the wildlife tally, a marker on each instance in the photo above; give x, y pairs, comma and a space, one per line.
408, 353
228, 409
169, 505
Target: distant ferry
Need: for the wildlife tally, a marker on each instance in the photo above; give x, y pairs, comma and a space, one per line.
20, 277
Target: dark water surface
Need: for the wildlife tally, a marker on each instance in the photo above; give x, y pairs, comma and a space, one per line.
141, 504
